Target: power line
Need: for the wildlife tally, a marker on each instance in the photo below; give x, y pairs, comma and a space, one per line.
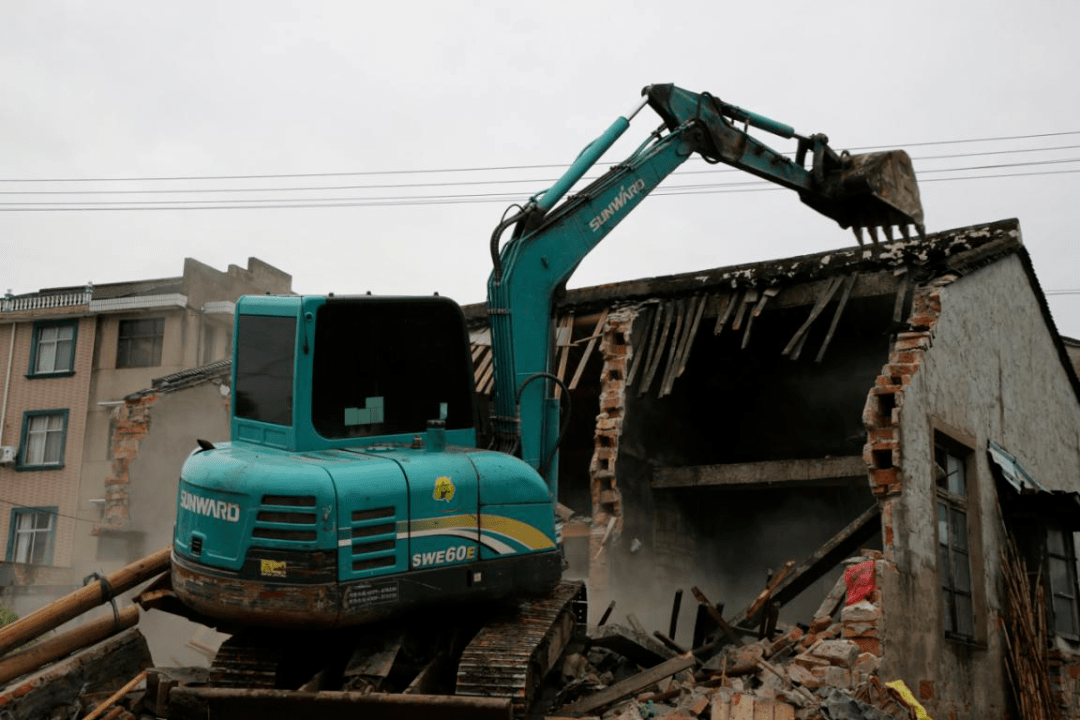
465, 183
500, 168
250, 203
57, 513
429, 199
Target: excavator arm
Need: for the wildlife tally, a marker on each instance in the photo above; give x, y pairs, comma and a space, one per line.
550, 240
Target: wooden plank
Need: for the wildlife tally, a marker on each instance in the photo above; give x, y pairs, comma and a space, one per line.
765, 295
772, 472
836, 316
770, 586
840, 546
643, 353
641, 649
116, 697
901, 296
730, 301
725, 627
678, 335
657, 350
678, 346
832, 601
631, 685
596, 334
693, 336
800, 334
101, 668
750, 296
562, 339
483, 364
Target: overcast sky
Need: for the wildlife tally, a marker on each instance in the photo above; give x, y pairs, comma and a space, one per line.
399, 93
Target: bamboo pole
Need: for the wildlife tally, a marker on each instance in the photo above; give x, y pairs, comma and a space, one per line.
1025, 629
76, 603
47, 651
100, 709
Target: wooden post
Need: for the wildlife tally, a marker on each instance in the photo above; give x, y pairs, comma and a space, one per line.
85, 598
47, 651
115, 697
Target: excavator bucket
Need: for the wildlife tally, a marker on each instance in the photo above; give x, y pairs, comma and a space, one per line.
872, 190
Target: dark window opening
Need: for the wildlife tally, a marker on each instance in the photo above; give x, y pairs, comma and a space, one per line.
264, 368
139, 343
1048, 551
1061, 561
954, 557
388, 366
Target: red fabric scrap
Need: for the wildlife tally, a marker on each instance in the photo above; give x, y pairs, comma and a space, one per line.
860, 581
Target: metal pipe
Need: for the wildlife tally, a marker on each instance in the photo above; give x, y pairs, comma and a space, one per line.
7, 380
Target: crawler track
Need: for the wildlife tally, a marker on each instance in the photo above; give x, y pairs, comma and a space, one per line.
513, 652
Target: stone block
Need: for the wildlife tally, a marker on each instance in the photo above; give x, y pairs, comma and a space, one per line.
868, 645
842, 653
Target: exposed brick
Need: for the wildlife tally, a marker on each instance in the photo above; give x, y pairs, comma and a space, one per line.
868, 645
912, 341
884, 477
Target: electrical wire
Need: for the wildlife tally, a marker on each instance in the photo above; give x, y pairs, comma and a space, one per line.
174, 203
57, 513
497, 168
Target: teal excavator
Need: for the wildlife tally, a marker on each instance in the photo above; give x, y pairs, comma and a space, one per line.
353, 490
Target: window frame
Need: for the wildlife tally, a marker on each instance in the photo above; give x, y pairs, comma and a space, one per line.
24, 440
35, 349
49, 533
1071, 594
949, 505
125, 343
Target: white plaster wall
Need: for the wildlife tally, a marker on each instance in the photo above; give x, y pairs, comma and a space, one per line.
992, 373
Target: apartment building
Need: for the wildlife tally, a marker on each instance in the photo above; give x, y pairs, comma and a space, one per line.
70, 356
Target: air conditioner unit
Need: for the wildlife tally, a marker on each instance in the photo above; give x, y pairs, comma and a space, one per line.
7, 455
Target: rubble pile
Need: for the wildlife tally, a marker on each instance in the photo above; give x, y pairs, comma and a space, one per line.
826, 669
749, 667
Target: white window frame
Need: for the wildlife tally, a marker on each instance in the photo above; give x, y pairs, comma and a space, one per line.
32, 531
44, 438
54, 348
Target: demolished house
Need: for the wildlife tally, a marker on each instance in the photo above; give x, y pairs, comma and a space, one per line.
910, 403
862, 465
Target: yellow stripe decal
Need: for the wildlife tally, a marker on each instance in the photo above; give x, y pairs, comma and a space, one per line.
524, 533
529, 536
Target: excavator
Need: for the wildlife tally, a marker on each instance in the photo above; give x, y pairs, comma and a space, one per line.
352, 493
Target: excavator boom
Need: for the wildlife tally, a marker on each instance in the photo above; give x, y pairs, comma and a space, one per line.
550, 239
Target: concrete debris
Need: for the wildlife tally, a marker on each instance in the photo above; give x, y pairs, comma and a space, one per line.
824, 670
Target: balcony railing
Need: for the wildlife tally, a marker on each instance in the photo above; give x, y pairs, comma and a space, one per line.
46, 302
